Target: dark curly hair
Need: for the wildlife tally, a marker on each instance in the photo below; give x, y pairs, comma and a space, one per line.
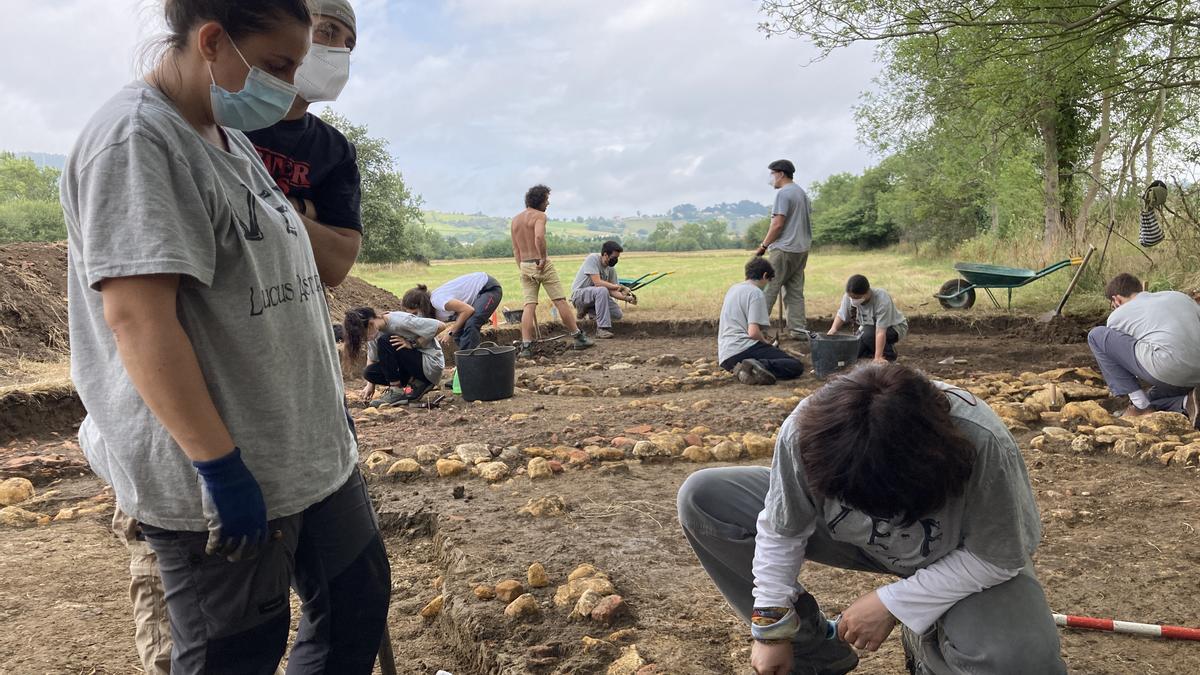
880, 438
538, 197
757, 267
418, 301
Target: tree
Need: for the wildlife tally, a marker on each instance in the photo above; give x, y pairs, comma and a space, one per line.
393, 225
29, 206
756, 233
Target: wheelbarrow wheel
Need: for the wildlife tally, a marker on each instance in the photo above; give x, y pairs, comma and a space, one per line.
961, 299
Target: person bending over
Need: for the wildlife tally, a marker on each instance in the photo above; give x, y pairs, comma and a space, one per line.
468, 302
885, 471
403, 352
742, 346
1152, 338
596, 289
880, 323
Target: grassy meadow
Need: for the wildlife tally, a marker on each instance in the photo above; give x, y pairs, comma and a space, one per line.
699, 280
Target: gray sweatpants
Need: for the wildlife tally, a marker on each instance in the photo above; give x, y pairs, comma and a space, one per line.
1004, 629
789, 277
597, 300
1116, 354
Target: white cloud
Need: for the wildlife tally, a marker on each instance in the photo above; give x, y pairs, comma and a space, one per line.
619, 107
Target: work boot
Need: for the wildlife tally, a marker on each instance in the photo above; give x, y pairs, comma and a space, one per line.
526, 351
757, 373
1191, 407
603, 334
392, 396
582, 341
836, 658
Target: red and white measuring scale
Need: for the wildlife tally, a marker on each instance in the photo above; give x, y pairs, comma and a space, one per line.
1114, 626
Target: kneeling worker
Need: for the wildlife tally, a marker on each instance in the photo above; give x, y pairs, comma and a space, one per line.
596, 289
742, 346
1154, 338
880, 323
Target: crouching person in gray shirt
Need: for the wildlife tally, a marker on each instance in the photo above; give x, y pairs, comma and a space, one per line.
882, 470
201, 349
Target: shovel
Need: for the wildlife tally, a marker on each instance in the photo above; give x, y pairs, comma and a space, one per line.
1057, 312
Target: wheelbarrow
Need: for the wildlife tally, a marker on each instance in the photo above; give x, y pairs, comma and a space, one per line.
960, 293
643, 281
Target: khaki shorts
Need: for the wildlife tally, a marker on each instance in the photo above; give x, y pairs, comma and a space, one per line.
533, 279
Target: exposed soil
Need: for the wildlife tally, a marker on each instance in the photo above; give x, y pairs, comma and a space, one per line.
33, 300
1119, 537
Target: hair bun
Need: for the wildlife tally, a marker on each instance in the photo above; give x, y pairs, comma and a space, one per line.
422, 287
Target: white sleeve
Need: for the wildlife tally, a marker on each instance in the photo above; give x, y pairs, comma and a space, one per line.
921, 599
777, 561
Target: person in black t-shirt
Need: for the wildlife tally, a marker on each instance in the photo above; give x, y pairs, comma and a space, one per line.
312, 162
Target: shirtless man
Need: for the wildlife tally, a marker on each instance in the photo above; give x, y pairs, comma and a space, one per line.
529, 250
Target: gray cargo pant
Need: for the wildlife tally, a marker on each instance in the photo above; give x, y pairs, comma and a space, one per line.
789, 276
1116, 354
1006, 629
597, 301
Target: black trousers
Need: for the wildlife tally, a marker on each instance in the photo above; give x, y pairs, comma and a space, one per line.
866, 343
485, 305
783, 365
394, 365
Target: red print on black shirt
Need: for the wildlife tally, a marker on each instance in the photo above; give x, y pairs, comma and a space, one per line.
288, 173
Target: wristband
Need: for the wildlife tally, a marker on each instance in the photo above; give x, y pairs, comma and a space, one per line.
770, 624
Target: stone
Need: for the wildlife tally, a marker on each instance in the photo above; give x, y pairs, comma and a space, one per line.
1185, 455
1075, 391
639, 430
758, 446
574, 418
622, 442
611, 392
628, 663
470, 453
697, 454
673, 443
15, 516
621, 366
1083, 445
553, 505
433, 608
1049, 397
428, 454
570, 592
623, 635
592, 644
1090, 412
614, 468
667, 360
536, 576
1163, 424
524, 607
584, 571
1128, 447
702, 405
648, 451
578, 457
1115, 430
539, 468
518, 417
508, 590
555, 466
450, 467
378, 461
493, 472
484, 592
609, 609
405, 469
727, 451
15, 490
576, 390
606, 454
584, 606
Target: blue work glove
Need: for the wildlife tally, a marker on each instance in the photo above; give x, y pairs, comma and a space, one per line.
233, 506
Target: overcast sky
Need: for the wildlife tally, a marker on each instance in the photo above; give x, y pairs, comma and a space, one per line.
620, 106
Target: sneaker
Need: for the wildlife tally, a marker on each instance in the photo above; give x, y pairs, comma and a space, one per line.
582, 341
526, 352
416, 391
392, 396
758, 373
603, 334
799, 335
742, 372
1191, 407
833, 656
910, 641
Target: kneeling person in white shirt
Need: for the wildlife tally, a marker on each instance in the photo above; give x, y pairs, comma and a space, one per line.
884, 471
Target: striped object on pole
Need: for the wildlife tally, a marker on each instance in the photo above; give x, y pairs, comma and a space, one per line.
1113, 626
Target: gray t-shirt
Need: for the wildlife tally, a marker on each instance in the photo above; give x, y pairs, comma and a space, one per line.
744, 304
1166, 326
420, 331
592, 265
878, 310
995, 518
791, 202
143, 193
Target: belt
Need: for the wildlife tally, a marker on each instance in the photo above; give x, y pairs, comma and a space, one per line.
535, 260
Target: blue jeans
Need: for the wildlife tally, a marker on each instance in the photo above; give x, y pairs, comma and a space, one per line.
1116, 354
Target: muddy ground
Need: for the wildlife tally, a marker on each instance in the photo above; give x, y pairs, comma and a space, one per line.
1119, 536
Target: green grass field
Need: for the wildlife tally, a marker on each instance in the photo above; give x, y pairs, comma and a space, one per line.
699, 280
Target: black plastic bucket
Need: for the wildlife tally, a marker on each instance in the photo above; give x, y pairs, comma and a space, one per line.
487, 372
831, 353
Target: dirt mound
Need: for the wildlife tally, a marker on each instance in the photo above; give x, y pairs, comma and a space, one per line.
354, 292
33, 300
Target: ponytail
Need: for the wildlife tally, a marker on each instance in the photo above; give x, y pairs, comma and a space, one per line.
418, 301
354, 328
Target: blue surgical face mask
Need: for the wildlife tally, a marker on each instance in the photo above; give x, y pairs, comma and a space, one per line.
262, 102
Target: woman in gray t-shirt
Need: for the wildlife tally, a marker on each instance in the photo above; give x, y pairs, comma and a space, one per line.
200, 347
403, 350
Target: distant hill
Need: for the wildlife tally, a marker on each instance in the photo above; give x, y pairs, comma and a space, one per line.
45, 159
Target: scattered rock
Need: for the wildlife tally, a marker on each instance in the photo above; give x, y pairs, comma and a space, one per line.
697, 454
622, 442
1083, 445
545, 506
428, 454
757, 446
518, 417
609, 609
484, 592
15, 516
493, 472
611, 392
434, 607
1163, 424
727, 451
640, 430
606, 454
666, 360
450, 467
524, 607
584, 571
15, 490
592, 644
614, 468
538, 468
648, 451
508, 590
584, 606
405, 469
1087, 411
471, 453
569, 593
628, 663
621, 366
623, 635
543, 655
536, 576
377, 461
